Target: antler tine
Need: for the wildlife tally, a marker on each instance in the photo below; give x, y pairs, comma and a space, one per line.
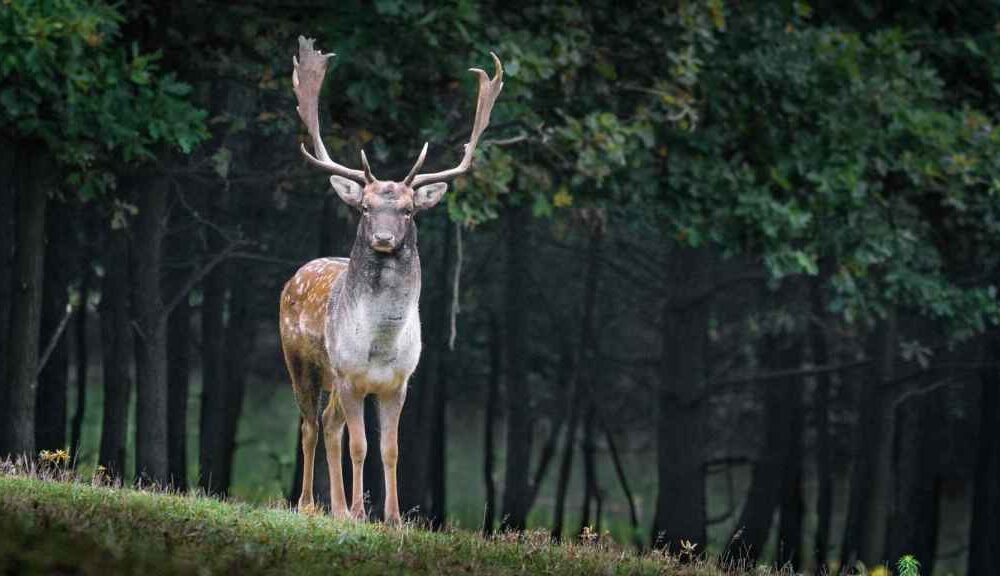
489, 89
416, 167
307, 82
369, 177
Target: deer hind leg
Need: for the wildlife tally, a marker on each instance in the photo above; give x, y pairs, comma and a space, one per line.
333, 430
310, 436
390, 406
353, 405
306, 389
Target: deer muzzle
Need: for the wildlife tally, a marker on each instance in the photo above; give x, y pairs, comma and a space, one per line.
383, 242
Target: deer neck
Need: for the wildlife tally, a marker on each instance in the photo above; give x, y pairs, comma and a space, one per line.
390, 282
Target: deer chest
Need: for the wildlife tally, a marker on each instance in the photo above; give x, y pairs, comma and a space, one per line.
376, 340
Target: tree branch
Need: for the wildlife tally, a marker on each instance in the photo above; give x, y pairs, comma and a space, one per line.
507, 141
200, 273
923, 390
794, 372
455, 287
54, 340
623, 481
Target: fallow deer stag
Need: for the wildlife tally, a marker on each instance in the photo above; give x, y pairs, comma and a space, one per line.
350, 325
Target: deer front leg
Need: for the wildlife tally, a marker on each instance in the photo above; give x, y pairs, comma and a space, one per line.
354, 411
333, 430
390, 406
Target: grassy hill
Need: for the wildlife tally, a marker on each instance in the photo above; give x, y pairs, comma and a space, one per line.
49, 526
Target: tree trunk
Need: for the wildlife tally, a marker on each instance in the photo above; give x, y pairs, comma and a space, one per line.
17, 411
178, 386
591, 489
864, 530
221, 393
566, 465
782, 400
791, 505
519, 417
213, 362
913, 523
240, 338
179, 249
438, 454
413, 441
82, 357
151, 336
50, 401
116, 350
492, 402
680, 504
224, 393
8, 209
821, 406
984, 536
438, 467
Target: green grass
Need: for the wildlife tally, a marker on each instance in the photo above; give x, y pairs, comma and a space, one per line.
49, 526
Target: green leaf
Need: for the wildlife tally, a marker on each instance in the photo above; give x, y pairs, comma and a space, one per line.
541, 208
221, 161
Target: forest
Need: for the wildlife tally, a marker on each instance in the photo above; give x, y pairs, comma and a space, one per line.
723, 277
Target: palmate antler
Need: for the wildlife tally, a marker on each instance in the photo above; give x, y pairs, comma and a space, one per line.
489, 89
307, 81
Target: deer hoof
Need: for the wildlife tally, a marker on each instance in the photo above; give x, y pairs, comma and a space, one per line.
393, 519
310, 509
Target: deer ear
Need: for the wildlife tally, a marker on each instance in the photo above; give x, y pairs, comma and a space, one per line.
428, 196
348, 190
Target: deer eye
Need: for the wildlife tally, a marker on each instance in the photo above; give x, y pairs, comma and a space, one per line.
407, 212
364, 210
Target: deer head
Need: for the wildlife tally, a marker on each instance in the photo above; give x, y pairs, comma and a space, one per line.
387, 207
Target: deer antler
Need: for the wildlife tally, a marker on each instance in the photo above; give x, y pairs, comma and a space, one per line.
489, 89
307, 81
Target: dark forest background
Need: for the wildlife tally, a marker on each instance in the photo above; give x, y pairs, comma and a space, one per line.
725, 272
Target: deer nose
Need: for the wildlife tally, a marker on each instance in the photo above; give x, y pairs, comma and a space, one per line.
383, 238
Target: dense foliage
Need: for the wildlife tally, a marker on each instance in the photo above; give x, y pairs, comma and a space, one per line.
69, 79
825, 145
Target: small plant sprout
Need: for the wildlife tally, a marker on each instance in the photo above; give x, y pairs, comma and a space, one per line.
687, 550
54, 457
908, 566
